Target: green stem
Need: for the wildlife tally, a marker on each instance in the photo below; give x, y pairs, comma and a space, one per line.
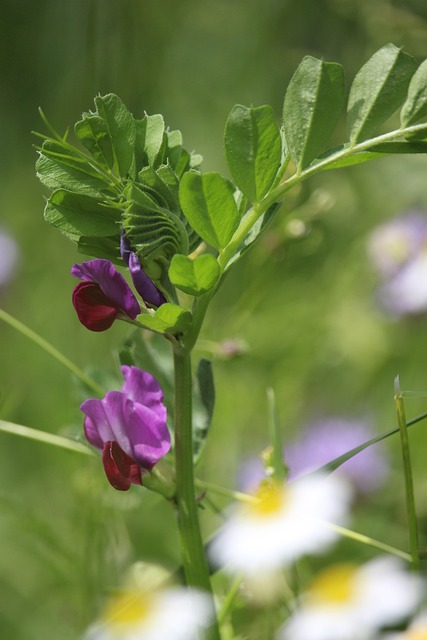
223, 491
371, 542
229, 599
409, 484
50, 349
200, 307
194, 560
45, 437
279, 467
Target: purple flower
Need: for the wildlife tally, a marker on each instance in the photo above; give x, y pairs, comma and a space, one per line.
327, 439
320, 443
406, 292
103, 295
398, 250
142, 283
394, 243
9, 257
129, 427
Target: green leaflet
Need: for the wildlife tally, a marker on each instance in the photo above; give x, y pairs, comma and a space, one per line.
163, 186
154, 232
208, 204
313, 104
253, 148
169, 318
109, 134
77, 215
64, 168
378, 90
108, 248
415, 108
149, 140
195, 277
203, 405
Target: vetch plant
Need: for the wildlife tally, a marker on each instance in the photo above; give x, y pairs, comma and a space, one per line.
130, 196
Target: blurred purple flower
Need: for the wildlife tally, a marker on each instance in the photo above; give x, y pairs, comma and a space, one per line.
327, 439
129, 427
103, 296
323, 441
406, 292
142, 283
398, 250
9, 256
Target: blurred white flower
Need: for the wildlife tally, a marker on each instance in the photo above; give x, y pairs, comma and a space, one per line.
174, 614
346, 602
280, 523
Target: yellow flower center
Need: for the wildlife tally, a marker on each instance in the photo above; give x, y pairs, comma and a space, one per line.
269, 499
127, 608
416, 634
334, 585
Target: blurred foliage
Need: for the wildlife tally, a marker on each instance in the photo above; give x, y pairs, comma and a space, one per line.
305, 294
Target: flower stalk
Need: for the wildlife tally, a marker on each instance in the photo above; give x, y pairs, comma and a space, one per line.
194, 560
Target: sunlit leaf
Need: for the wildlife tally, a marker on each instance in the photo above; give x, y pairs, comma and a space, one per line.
109, 133
313, 103
378, 90
208, 204
253, 147
194, 276
169, 318
150, 140
415, 108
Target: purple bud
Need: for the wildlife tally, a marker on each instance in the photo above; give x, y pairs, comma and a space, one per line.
142, 283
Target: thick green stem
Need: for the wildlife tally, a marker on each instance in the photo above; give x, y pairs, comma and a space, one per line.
409, 484
194, 560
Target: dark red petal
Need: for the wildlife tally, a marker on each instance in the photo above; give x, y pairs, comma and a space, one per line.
94, 309
120, 469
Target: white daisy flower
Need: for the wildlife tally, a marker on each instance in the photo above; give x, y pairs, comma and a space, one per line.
174, 614
417, 630
281, 523
346, 602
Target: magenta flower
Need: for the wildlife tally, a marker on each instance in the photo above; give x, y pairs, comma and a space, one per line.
103, 296
129, 427
142, 283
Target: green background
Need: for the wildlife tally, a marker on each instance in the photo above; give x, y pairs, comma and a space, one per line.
305, 307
